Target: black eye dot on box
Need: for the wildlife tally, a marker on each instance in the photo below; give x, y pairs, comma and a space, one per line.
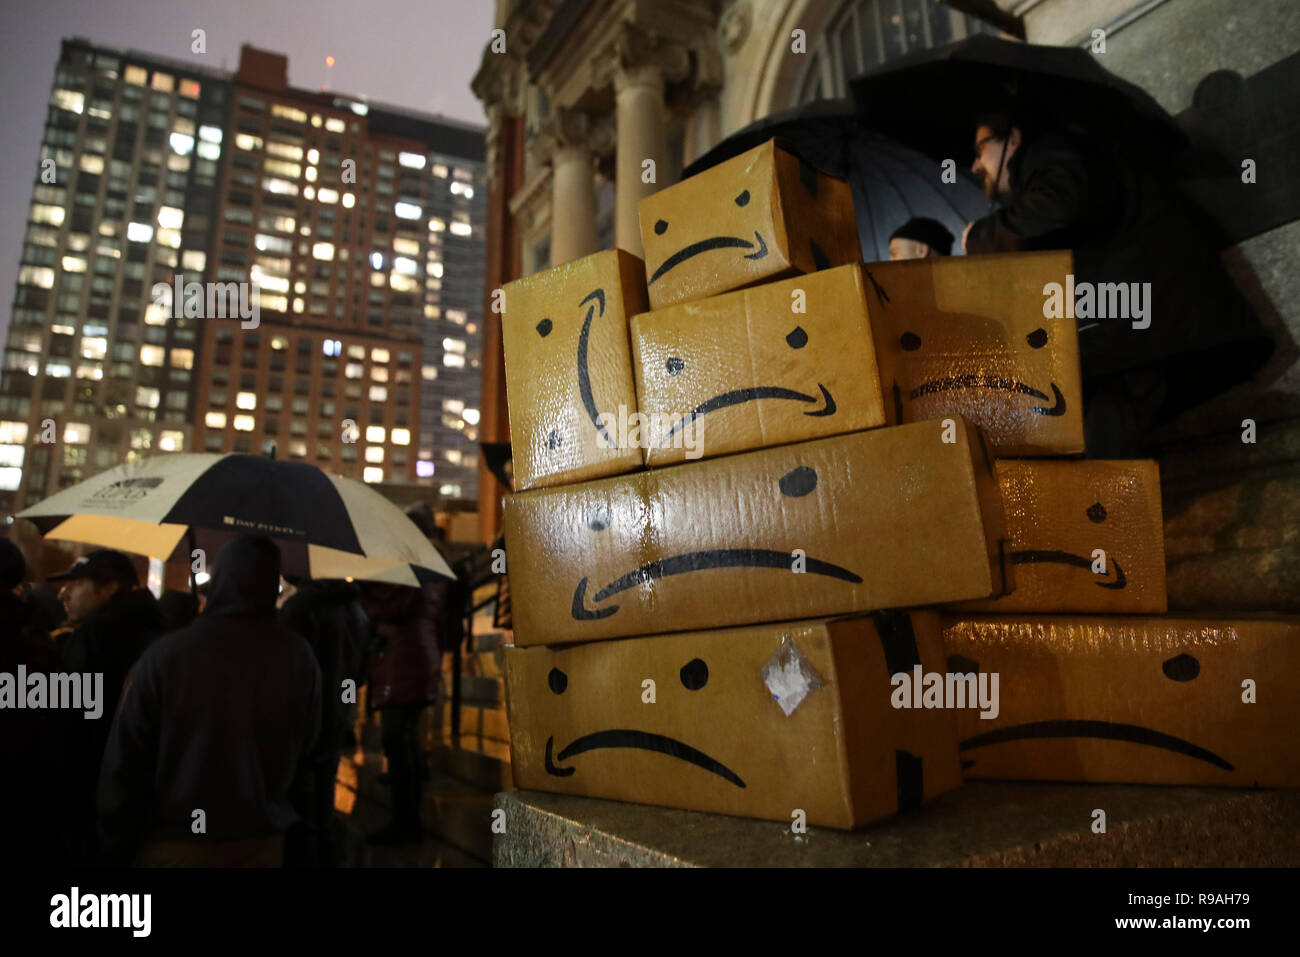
695, 674
1037, 339
544, 328
1181, 668
598, 519
797, 338
798, 482
1097, 512
910, 341
661, 226
558, 680
554, 440
743, 198
675, 365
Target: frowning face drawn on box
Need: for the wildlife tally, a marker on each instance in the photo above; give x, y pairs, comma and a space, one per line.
591, 730
756, 216
692, 379
1175, 684
799, 483
777, 363
1087, 536
988, 354
694, 677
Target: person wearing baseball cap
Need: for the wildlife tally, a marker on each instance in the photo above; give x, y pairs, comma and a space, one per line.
113, 620
920, 238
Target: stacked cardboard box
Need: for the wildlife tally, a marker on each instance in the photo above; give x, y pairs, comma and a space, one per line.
724, 493
1096, 682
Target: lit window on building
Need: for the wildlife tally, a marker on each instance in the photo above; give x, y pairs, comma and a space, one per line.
146, 397
375, 454
190, 89
247, 141
407, 247
171, 441
375, 433
288, 113
152, 355
323, 251
136, 75
243, 423
326, 195
470, 416
93, 347
42, 276
401, 437
281, 187
50, 215
407, 211
411, 160
428, 373
335, 125
208, 151
436, 225
139, 232
162, 82
453, 361
169, 217
182, 359
246, 400
461, 229
13, 433
332, 347
349, 200
405, 265
215, 420
283, 168
378, 393
76, 433
372, 473
354, 370
453, 345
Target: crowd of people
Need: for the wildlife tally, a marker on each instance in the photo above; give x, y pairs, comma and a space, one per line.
222, 717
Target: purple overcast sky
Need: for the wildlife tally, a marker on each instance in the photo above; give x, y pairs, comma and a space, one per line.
419, 54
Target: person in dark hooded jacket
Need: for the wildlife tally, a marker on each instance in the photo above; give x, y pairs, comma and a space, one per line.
328, 614
35, 801
216, 723
112, 621
1062, 189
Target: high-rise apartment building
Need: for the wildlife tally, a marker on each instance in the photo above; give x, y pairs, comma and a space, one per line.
222, 262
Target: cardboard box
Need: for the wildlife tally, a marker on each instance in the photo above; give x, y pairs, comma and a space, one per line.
1140, 700
967, 336
762, 215
892, 518
569, 368
1060, 514
781, 362
758, 721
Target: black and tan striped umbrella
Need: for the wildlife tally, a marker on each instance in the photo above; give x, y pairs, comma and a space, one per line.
327, 526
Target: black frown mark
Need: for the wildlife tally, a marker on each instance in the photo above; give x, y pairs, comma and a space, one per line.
1181, 668
584, 374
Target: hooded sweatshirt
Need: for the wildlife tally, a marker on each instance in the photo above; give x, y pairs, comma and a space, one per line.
219, 717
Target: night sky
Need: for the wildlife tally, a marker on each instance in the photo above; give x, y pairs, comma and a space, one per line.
420, 54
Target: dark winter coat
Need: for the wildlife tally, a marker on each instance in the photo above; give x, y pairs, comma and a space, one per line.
1125, 224
328, 615
219, 716
406, 659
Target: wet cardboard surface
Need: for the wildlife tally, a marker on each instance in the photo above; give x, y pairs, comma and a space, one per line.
776, 363
967, 336
1139, 700
762, 215
890, 518
1059, 514
569, 368
715, 737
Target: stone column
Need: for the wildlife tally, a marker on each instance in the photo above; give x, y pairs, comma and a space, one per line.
704, 124
573, 188
641, 65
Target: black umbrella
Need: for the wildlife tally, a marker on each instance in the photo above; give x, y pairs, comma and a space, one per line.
929, 99
891, 182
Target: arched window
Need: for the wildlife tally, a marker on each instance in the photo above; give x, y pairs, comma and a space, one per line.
867, 33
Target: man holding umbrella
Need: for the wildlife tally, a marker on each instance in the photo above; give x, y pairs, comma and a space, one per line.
1064, 189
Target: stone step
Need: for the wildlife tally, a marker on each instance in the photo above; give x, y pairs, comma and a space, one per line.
981, 824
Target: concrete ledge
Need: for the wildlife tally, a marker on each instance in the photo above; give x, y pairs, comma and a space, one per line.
982, 824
